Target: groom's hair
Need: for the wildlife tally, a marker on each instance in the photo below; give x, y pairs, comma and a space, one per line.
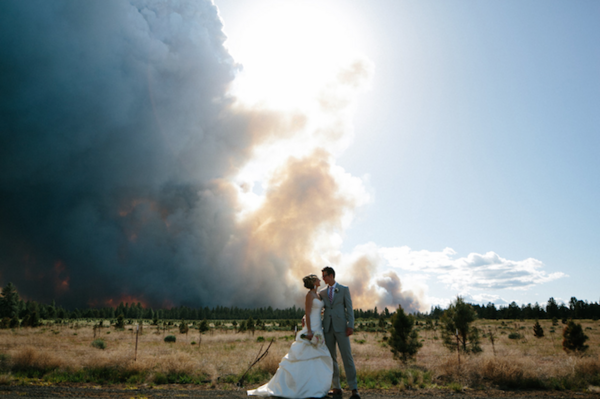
329, 270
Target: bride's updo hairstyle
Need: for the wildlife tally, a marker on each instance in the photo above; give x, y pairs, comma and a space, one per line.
309, 281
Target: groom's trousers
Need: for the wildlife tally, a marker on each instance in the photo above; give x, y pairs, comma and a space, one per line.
343, 342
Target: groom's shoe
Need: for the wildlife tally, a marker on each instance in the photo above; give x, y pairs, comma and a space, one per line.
355, 394
335, 393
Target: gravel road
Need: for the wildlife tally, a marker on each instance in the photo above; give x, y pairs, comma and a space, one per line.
72, 392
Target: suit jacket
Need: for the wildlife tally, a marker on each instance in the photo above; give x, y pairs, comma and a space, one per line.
339, 313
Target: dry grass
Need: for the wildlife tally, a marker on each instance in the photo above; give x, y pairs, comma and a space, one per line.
221, 357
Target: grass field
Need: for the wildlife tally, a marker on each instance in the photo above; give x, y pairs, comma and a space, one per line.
218, 358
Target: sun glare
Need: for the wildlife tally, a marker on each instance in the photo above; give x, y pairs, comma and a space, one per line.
295, 57
289, 52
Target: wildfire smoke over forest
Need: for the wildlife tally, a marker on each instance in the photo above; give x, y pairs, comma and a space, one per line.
128, 170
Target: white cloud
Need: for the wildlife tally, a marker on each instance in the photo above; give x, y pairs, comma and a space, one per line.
486, 271
484, 298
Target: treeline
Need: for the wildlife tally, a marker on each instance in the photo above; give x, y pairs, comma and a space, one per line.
14, 311
575, 309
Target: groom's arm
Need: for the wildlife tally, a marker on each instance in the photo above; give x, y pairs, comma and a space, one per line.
349, 312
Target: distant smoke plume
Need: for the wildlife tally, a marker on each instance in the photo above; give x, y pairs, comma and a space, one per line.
120, 162
370, 288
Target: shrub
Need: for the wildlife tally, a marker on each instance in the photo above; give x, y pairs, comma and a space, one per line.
514, 335
204, 326
4, 361
120, 321
31, 319
260, 339
170, 338
160, 378
14, 322
183, 327
538, 331
574, 338
250, 325
99, 343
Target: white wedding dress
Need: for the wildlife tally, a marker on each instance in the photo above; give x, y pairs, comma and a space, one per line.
306, 371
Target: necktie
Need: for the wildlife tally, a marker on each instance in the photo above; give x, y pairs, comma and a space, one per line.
330, 294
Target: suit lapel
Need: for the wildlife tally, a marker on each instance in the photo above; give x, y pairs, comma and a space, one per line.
325, 297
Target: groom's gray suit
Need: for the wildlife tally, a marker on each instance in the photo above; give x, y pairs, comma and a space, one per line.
337, 317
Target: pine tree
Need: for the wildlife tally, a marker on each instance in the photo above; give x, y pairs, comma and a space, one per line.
9, 302
120, 321
404, 341
250, 324
51, 310
538, 331
574, 338
204, 326
183, 327
457, 321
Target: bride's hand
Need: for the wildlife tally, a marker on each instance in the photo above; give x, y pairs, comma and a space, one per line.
309, 335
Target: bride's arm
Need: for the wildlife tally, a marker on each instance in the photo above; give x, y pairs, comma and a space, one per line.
307, 308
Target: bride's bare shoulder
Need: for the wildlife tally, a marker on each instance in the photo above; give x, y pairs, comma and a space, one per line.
313, 295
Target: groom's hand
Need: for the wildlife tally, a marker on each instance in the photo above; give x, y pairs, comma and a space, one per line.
349, 331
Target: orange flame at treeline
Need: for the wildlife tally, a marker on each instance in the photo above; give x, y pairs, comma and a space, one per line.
114, 302
128, 299
61, 277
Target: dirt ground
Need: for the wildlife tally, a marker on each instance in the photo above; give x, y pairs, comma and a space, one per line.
120, 392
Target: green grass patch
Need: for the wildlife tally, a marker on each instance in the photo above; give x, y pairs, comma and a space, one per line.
180, 378
117, 375
99, 343
170, 338
514, 335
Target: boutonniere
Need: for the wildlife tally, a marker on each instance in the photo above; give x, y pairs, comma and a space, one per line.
336, 290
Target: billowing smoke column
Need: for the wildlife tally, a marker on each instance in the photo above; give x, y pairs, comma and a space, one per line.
119, 157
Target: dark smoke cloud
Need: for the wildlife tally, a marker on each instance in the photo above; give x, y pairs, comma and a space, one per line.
114, 135
119, 154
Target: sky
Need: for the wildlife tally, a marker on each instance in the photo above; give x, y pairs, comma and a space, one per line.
203, 154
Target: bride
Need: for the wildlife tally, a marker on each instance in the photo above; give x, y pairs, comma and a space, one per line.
306, 371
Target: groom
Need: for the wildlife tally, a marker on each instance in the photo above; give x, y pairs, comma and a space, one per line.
338, 326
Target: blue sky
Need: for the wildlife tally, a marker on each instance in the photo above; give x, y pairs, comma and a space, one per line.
479, 132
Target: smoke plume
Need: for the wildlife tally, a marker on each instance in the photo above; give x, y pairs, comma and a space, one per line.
124, 164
